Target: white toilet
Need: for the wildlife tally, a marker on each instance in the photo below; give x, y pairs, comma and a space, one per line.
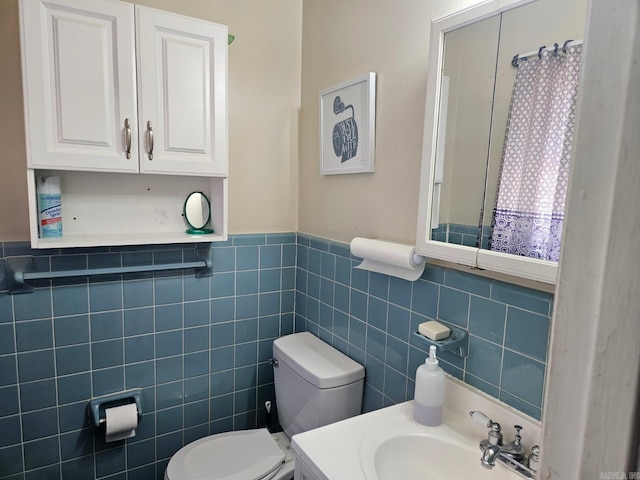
315, 385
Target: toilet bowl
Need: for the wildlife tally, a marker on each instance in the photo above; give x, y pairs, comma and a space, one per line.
315, 385
241, 455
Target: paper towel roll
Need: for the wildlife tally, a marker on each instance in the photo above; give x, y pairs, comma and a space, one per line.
389, 258
121, 422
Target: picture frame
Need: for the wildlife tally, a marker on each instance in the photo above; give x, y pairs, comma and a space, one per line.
347, 126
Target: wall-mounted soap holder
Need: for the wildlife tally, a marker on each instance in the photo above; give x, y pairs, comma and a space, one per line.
98, 405
455, 343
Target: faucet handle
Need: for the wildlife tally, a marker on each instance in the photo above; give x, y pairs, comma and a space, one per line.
480, 418
495, 434
534, 458
518, 437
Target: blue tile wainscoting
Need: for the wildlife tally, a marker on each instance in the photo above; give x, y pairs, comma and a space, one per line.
371, 317
198, 347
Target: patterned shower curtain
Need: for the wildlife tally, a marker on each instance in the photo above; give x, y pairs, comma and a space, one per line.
529, 208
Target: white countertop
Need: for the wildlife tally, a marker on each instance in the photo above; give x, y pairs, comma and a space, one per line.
343, 450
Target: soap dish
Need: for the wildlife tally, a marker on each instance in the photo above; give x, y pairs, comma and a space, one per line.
455, 343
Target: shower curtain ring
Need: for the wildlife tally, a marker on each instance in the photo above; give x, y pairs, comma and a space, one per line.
555, 49
566, 44
540, 50
516, 60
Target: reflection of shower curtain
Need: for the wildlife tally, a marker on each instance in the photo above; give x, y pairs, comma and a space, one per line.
529, 209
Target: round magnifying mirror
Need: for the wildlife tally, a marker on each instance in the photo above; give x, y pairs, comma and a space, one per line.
197, 213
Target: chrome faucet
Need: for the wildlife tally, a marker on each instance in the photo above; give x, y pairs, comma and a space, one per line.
514, 450
489, 456
512, 455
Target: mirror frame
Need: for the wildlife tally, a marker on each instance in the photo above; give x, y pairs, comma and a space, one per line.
523, 267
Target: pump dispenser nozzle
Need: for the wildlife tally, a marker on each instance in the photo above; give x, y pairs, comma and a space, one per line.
432, 361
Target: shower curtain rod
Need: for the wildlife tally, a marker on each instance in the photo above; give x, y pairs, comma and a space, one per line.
520, 56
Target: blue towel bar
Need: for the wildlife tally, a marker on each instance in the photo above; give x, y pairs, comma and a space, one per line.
20, 270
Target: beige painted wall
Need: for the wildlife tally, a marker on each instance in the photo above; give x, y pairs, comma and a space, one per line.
342, 40
264, 99
14, 211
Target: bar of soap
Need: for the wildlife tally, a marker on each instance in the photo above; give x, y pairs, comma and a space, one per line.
434, 330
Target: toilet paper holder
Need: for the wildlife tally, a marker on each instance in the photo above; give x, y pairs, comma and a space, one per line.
98, 405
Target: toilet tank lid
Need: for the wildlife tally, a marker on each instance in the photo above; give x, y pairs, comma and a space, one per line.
315, 361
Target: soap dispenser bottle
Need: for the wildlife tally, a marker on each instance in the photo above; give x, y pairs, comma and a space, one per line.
428, 399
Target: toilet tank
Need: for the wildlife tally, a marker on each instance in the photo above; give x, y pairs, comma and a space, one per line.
315, 383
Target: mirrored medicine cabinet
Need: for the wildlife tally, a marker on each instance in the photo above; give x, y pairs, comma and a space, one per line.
469, 90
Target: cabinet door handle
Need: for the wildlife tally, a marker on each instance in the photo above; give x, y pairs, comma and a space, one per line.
150, 130
127, 137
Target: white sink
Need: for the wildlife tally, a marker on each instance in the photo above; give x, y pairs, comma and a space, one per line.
425, 457
388, 444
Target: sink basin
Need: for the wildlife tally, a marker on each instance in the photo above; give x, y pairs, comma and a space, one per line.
423, 457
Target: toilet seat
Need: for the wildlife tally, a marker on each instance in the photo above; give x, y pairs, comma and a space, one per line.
240, 455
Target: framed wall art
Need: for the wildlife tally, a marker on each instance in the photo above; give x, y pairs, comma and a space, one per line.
347, 126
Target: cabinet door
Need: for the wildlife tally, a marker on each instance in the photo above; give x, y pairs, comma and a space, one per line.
78, 59
182, 88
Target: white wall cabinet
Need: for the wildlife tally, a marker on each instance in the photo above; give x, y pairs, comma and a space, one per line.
114, 88
88, 110
79, 79
182, 94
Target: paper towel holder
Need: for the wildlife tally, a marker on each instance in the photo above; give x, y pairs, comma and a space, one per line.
417, 259
388, 258
98, 405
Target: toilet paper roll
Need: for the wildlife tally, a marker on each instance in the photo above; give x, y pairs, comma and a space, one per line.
121, 422
389, 258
